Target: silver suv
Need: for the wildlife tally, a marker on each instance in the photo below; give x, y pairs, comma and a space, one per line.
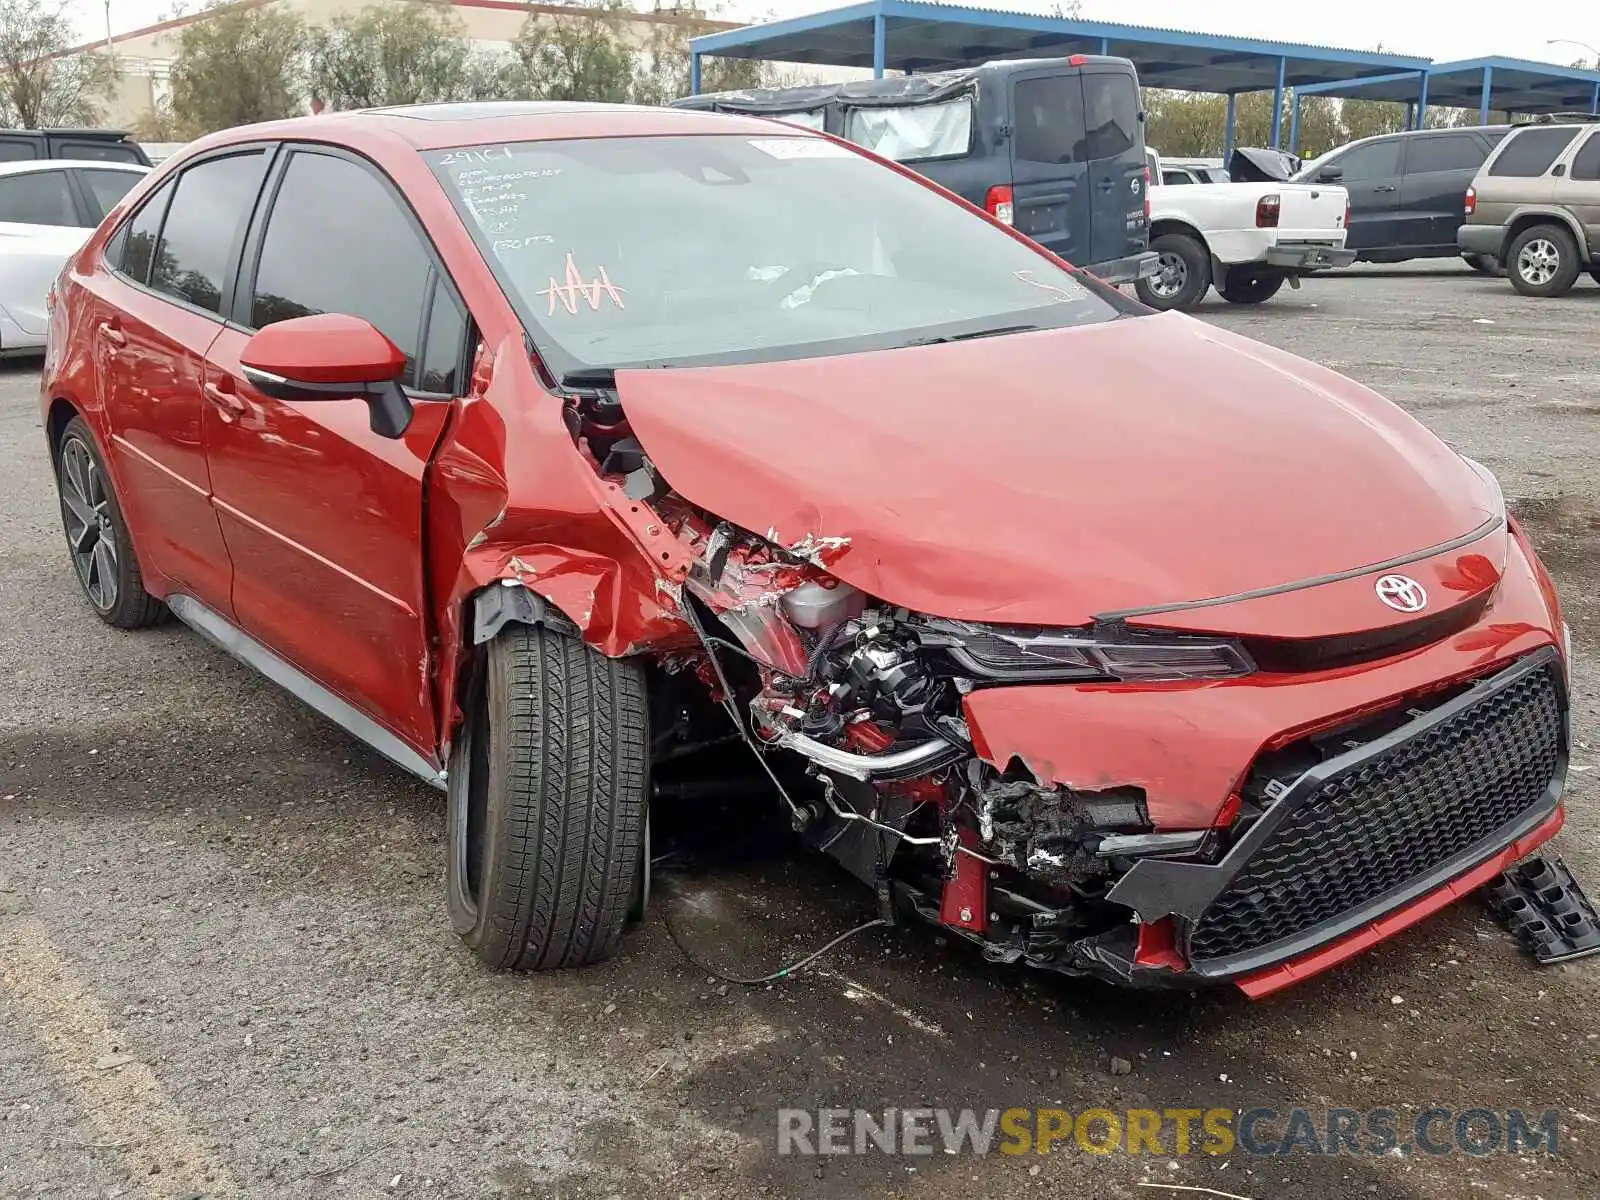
1535, 206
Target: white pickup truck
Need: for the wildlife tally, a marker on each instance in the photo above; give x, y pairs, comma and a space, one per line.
1246, 238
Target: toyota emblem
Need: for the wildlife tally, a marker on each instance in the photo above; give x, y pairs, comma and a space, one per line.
1402, 593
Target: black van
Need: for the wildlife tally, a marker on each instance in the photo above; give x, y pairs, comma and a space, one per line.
1408, 190
1053, 146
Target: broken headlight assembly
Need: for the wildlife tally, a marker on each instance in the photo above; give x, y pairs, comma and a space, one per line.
995, 652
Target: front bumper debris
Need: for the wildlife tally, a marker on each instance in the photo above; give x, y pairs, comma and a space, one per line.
1544, 908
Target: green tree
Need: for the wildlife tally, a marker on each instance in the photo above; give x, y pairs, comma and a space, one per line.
39, 85
408, 53
584, 56
239, 65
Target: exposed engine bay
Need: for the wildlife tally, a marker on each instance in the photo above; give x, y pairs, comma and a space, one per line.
855, 710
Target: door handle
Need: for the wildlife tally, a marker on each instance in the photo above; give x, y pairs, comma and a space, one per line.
1384, 187
112, 334
224, 399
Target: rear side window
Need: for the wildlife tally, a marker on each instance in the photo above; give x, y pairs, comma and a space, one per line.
134, 248
17, 150
1111, 113
912, 132
200, 237
1449, 153
1532, 151
1049, 117
1375, 160
38, 198
1586, 165
810, 118
107, 188
337, 241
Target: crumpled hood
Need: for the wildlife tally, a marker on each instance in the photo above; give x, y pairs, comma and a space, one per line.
1045, 478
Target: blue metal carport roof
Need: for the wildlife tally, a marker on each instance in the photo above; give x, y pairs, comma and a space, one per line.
1511, 85
916, 35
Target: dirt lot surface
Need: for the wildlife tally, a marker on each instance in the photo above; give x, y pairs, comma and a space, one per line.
225, 966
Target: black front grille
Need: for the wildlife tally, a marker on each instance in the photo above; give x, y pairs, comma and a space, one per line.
1391, 819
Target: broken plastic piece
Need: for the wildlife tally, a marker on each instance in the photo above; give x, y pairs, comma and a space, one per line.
1544, 908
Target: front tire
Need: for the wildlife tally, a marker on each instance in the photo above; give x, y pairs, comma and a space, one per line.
548, 787
97, 534
1543, 261
1183, 276
1250, 289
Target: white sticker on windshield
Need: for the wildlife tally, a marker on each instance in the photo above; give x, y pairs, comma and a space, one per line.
801, 148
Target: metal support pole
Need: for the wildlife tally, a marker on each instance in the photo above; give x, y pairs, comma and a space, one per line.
1227, 137
1105, 47
1277, 103
1422, 100
1411, 114
1594, 105
1483, 96
880, 49
694, 73
1294, 123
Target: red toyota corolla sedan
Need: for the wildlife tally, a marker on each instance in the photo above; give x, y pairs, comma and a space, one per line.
545, 447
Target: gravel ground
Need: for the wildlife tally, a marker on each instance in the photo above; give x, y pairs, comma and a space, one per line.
225, 967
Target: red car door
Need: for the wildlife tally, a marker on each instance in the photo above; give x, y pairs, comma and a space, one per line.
157, 299
324, 518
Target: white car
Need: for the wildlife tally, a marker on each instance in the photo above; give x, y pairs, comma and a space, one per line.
1246, 238
48, 207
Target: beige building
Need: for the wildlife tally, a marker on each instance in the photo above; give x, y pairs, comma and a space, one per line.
144, 56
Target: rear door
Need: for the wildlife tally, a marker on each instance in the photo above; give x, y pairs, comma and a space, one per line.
1371, 174
1433, 189
1052, 192
1581, 191
1115, 139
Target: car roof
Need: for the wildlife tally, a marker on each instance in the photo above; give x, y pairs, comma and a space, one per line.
471, 123
28, 165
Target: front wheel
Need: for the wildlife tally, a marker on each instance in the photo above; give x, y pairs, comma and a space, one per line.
1183, 273
548, 787
1240, 288
1543, 261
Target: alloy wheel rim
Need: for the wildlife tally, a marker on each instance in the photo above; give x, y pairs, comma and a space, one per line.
86, 515
1172, 273
1538, 261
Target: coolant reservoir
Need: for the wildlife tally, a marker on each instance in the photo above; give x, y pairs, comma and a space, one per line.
818, 604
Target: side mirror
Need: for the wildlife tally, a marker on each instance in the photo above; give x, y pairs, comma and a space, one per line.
331, 356
1330, 174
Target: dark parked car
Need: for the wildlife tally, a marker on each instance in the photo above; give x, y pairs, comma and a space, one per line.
547, 448
1408, 190
84, 145
1053, 146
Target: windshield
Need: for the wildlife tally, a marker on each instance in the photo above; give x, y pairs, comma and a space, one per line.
635, 251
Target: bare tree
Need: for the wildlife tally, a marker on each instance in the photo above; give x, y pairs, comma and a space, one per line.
39, 84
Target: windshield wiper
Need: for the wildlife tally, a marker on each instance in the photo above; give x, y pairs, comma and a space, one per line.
967, 337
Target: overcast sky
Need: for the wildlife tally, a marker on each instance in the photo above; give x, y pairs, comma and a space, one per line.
1430, 30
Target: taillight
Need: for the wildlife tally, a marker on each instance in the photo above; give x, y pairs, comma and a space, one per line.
999, 204
1147, 193
1472, 200
1267, 210
1347, 214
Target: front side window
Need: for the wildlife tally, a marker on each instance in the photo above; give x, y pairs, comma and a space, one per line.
37, 198
206, 219
1531, 152
910, 132
337, 241
678, 250
1375, 160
